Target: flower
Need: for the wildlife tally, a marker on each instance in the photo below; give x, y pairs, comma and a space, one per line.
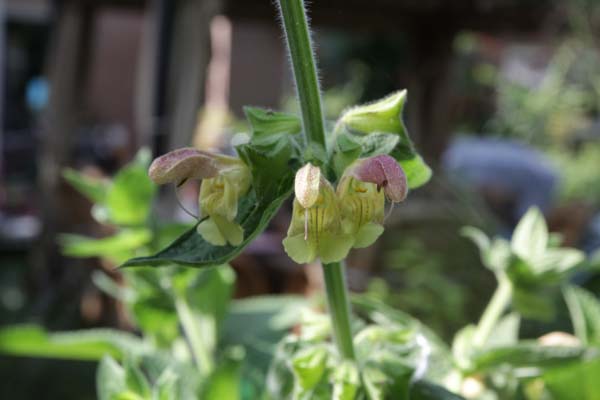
361, 199
225, 180
315, 229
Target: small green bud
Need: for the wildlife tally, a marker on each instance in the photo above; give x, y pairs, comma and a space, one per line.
380, 116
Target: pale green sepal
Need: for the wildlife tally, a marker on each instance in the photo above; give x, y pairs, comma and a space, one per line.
417, 171
211, 233
367, 235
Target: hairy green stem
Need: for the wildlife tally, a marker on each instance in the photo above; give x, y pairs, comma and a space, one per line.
494, 310
295, 25
299, 44
339, 308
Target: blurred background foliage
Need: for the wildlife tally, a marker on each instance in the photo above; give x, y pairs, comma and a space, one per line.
85, 85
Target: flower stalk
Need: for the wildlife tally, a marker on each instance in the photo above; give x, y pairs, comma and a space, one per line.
295, 25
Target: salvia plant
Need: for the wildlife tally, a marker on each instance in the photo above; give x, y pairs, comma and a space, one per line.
342, 178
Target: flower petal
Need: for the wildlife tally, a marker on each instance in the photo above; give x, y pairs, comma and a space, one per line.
385, 172
300, 250
182, 164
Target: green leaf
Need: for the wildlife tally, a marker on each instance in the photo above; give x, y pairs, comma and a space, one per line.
495, 254
91, 344
269, 165
117, 247
462, 346
110, 379
225, 382
129, 198
584, 309
530, 238
422, 390
309, 366
266, 123
165, 387
93, 188
135, 380
558, 261
346, 381
574, 381
192, 250
535, 302
506, 331
527, 354
385, 116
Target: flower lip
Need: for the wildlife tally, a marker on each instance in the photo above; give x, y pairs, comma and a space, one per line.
182, 164
386, 173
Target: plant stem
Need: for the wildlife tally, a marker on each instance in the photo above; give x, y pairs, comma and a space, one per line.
297, 34
192, 332
305, 72
339, 308
494, 310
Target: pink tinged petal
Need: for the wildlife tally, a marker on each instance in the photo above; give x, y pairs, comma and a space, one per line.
306, 185
183, 164
386, 173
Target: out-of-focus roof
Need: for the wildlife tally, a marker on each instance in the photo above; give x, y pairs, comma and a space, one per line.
394, 15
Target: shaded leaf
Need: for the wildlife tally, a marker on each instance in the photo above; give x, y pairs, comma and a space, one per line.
93, 188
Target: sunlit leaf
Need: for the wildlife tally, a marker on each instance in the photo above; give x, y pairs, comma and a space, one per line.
91, 344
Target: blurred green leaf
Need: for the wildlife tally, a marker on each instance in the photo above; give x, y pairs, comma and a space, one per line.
506, 332
574, 381
309, 366
129, 197
91, 344
530, 238
165, 387
346, 381
135, 380
527, 354
110, 379
118, 247
225, 382
422, 390
584, 309
462, 346
93, 188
